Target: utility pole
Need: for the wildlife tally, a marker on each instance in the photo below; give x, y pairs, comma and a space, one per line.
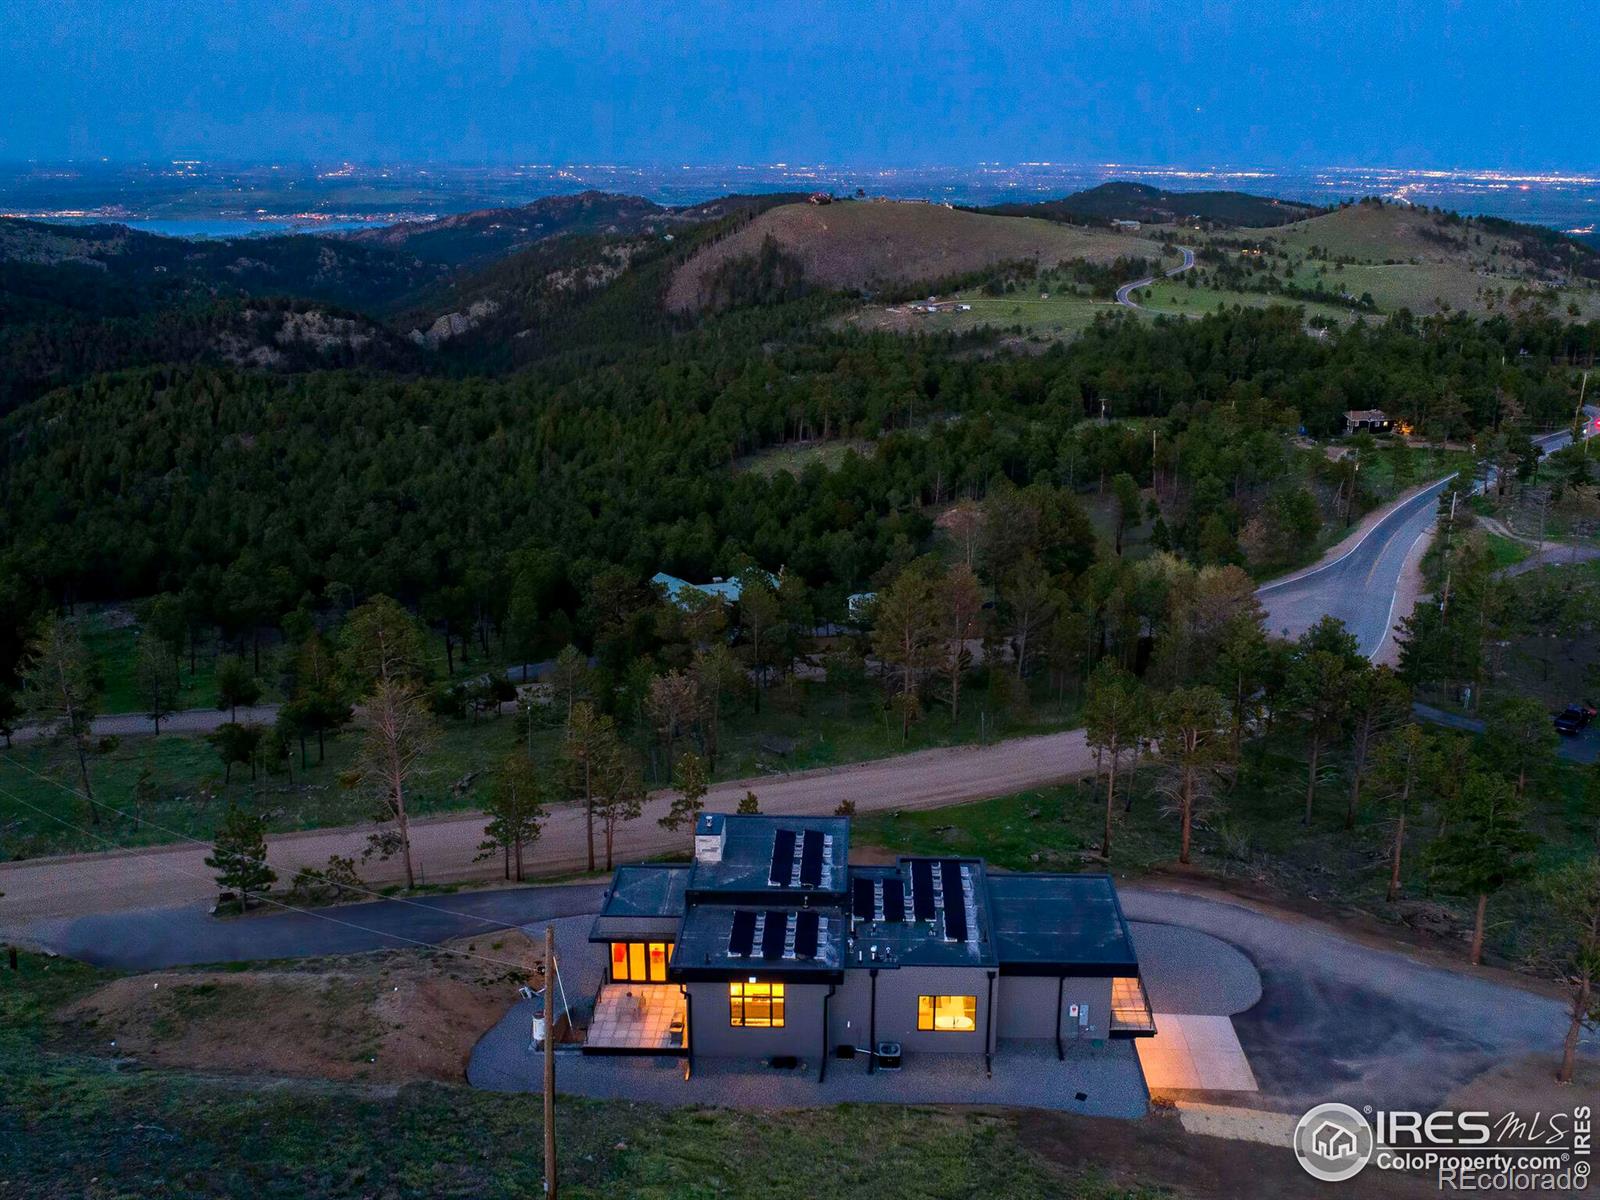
549, 1062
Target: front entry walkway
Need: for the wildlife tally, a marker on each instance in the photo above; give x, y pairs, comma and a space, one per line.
637, 1018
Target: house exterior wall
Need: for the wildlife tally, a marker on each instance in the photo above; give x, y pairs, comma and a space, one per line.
711, 1034
850, 1011
1026, 1006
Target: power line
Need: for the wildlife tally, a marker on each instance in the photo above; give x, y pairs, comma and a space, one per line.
309, 912
178, 835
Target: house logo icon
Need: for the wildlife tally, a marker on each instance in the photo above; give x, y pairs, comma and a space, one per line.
1333, 1142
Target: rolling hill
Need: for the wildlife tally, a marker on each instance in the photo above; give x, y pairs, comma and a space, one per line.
872, 245
476, 238
1120, 200
111, 270
1427, 261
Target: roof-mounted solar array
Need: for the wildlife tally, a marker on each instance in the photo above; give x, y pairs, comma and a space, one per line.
894, 900
741, 938
922, 889
782, 858
861, 899
773, 935
955, 901
811, 858
806, 933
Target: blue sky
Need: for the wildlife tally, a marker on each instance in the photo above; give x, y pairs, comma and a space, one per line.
937, 82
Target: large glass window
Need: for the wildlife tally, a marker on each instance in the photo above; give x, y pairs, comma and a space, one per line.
755, 1005
640, 962
947, 1014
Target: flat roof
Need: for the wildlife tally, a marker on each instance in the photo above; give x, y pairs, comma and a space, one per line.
772, 948
747, 858
644, 902
927, 942
1047, 924
648, 890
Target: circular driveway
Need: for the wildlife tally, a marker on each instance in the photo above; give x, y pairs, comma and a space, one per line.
1187, 971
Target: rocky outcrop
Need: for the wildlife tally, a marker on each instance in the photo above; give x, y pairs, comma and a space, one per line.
455, 324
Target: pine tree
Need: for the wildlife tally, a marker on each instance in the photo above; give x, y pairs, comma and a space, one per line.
1192, 744
1484, 849
515, 811
691, 798
60, 692
239, 856
1116, 715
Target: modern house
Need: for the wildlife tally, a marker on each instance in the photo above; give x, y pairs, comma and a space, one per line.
1369, 420
769, 945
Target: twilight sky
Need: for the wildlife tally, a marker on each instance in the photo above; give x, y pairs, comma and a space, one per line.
1431, 83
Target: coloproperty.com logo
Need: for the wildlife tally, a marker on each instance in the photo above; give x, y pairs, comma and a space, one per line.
1465, 1151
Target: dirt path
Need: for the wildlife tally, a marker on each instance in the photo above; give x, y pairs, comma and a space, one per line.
444, 847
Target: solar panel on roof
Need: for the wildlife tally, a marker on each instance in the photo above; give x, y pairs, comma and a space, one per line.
742, 935
772, 937
861, 899
805, 935
955, 901
894, 900
922, 889
811, 858
782, 858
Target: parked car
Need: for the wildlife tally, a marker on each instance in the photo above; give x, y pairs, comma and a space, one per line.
1574, 718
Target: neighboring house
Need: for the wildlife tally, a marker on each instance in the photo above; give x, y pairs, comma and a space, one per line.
1369, 420
768, 945
725, 589
858, 607
1125, 226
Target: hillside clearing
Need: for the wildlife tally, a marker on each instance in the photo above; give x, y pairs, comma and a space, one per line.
389, 1018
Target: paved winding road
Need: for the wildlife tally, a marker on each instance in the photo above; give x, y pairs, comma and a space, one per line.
1126, 291
1362, 583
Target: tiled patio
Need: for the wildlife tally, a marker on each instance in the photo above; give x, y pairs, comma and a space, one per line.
637, 1017
1194, 1052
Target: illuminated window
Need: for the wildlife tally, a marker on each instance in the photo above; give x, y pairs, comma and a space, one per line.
640, 962
947, 1014
755, 1005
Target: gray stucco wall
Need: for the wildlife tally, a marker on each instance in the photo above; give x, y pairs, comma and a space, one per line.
898, 990
1027, 1006
711, 1034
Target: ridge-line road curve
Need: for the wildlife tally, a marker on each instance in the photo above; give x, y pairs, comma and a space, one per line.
1126, 291
1361, 585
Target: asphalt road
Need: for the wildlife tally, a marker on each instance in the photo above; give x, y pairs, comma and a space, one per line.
1126, 291
1582, 748
1342, 1020
1361, 585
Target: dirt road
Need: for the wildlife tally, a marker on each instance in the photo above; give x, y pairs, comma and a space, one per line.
78, 885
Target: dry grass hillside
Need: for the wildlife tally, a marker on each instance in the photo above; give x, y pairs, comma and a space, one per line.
1391, 233
862, 245
1416, 259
